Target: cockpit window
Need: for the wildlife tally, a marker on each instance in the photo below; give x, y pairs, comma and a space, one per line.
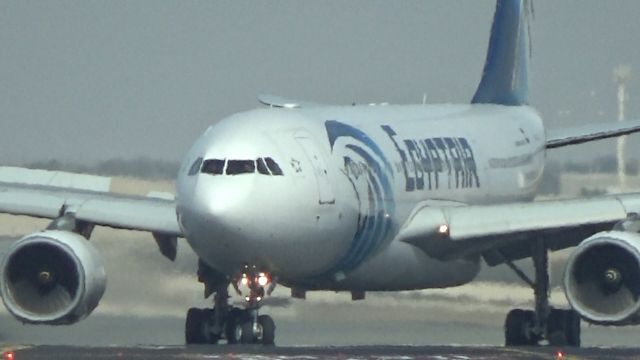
195, 167
213, 166
262, 167
235, 167
273, 166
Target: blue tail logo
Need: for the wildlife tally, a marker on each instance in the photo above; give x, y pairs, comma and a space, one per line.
505, 79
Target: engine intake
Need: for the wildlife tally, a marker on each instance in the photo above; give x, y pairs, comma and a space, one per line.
602, 278
52, 277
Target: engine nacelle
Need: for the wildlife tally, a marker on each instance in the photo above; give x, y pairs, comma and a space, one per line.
602, 278
52, 277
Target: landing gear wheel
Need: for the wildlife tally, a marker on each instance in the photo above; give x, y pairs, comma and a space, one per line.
268, 330
572, 329
193, 328
517, 328
246, 333
563, 328
208, 316
234, 320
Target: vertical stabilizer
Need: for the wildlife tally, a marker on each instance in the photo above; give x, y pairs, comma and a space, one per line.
505, 77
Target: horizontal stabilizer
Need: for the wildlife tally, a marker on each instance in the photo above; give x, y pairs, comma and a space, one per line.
585, 133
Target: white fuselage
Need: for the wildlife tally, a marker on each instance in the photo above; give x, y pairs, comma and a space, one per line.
351, 176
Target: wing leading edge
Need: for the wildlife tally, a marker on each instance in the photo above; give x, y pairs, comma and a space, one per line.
79, 202
100, 208
507, 232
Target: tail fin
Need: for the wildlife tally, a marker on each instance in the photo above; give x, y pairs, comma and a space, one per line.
505, 79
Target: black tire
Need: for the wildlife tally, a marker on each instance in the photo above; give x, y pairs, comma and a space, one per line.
572, 328
208, 316
234, 319
556, 328
246, 336
563, 328
516, 328
193, 333
268, 330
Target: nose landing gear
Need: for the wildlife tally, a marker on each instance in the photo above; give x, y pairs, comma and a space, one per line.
235, 324
251, 327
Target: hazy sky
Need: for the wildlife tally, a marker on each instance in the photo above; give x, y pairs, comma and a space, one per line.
90, 80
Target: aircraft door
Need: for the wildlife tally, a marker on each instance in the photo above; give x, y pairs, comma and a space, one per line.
312, 153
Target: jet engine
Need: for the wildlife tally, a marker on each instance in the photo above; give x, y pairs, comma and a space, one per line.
602, 278
52, 277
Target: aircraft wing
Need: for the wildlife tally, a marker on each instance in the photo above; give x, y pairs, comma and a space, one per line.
506, 232
50, 195
584, 133
107, 209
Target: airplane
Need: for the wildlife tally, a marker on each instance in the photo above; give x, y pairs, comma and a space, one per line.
354, 198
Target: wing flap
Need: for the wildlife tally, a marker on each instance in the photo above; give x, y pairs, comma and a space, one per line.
585, 133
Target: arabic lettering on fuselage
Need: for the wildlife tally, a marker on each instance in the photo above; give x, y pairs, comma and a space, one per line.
435, 163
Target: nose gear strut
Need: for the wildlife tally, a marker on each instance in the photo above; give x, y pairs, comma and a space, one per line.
235, 324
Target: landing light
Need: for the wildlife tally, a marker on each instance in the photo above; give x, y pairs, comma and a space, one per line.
559, 355
263, 279
9, 355
443, 229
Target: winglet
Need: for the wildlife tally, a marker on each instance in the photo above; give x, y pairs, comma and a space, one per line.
505, 76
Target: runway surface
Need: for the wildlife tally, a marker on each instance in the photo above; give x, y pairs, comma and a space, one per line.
313, 353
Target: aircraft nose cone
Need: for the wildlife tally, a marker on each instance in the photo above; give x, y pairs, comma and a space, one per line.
223, 201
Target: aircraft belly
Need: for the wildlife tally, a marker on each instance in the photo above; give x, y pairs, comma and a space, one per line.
402, 266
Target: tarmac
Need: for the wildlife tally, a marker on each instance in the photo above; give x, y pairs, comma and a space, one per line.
313, 353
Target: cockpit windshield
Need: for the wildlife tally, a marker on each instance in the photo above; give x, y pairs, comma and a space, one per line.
273, 166
213, 167
264, 166
236, 167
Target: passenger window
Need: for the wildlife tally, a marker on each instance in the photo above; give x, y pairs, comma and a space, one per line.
213, 167
195, 167
235, 167
262, 167
273, 166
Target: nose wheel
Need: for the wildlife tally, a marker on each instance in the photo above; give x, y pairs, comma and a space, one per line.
234, 324
261, 332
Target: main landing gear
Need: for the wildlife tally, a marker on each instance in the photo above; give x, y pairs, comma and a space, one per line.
530, 327
235, 325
